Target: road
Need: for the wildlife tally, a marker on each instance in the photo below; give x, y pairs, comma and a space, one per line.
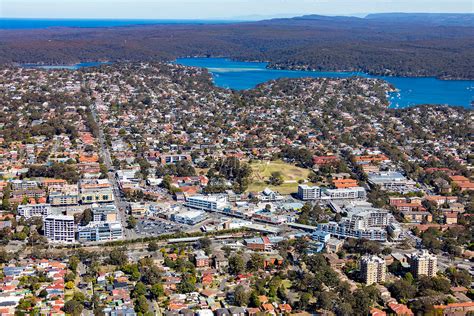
121, 204
87, 288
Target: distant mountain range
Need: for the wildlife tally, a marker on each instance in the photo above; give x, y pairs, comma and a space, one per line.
439, 19
439, 45
447, 19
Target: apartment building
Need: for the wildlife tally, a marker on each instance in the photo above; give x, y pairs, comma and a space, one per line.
170, 159
34, 210
23, 185
355, 193
63, 195
59, 228
372, 269
96, 191
369, 224
417, 216
306, 192
424, 263
334, 245
202, 260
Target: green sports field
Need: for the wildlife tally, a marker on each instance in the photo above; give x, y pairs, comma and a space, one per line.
262, 170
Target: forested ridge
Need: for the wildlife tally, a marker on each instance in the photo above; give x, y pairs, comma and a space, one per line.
382, 45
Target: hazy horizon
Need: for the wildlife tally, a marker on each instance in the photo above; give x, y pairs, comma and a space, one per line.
236, 18
218, 9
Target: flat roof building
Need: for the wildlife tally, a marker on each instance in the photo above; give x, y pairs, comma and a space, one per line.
355, 193
424, 263
206, 202
189, 217
34, 210
306, 192
372, 269
59, 228
391, 181
100, 231
368, 223
104, 213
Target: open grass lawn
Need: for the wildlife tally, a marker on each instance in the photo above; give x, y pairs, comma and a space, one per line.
200, 171
262, 170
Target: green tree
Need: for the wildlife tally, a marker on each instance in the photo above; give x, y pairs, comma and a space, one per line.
254, 301
139, 290
402, 290
43, 293
256, 262
236, 264
117, 257
241, 297
153, 246
276, 178
459, 277
157, 290
205, 243
87, 216
304, 300
188, 284
131, 222
73, 307
73, 263
79, 297
141, 304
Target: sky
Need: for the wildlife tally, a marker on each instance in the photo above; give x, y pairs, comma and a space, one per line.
219, 9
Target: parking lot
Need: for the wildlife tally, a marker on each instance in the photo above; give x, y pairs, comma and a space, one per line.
154, 227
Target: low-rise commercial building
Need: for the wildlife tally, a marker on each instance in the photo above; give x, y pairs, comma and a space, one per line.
100, 231
206, 202
189, 217
391, 181
104, 213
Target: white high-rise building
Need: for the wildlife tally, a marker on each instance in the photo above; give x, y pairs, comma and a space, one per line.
373, 269
59, 228
424, 263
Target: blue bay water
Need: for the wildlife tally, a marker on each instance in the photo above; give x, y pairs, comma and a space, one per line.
412, 91
12, 24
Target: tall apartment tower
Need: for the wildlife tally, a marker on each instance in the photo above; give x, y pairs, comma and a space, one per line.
373, 269
424, 263
59, 228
